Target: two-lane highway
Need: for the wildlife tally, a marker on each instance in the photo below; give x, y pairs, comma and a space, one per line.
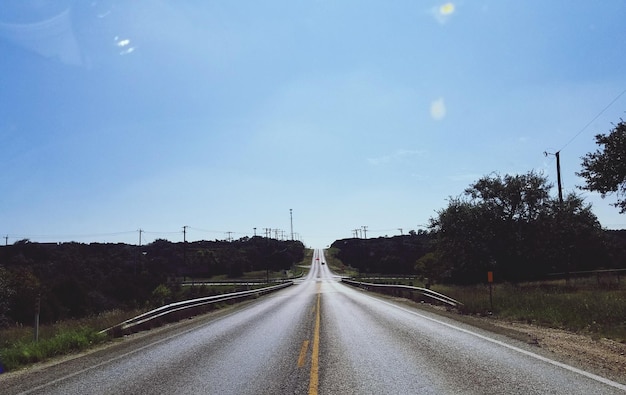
318, 336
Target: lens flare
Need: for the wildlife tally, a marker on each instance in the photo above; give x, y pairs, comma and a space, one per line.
438, 109
446, 9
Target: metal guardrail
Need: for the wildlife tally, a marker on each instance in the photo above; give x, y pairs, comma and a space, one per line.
584, 272
251, 281
183, 309
423, 291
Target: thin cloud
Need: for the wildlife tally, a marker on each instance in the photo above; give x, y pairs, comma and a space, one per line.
395, 157
124, 44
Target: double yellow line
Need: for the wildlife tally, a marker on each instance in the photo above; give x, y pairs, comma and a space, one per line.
315, 354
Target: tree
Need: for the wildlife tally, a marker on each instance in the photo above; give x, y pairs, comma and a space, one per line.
511, 225
6, 293
604, 171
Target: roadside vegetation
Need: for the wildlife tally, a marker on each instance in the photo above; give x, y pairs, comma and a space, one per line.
337, 266
18, 348
580, 305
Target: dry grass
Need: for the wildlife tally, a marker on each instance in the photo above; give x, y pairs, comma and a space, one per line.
584, 305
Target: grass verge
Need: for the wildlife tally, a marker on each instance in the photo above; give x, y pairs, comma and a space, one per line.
337, 266
26, 352
586, 308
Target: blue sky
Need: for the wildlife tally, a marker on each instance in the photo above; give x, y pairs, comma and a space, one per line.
222, 116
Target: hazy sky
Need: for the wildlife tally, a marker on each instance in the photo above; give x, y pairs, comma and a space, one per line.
224, 115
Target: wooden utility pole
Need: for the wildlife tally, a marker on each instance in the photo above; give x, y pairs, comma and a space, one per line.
558, 175
184, 247
291, 220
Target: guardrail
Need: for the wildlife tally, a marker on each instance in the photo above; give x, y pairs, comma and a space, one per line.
390, 289
251, 281
184, 309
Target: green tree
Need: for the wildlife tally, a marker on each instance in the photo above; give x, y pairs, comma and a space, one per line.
6, 293
511, 225
161, 295
604, 170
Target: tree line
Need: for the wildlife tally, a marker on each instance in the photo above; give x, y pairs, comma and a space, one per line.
72, 280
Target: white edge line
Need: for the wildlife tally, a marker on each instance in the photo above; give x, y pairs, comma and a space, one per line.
514, 348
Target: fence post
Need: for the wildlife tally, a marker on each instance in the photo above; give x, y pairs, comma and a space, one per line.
490, 281
37, 310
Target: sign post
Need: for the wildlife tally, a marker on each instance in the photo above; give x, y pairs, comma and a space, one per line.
490, 281
37, 310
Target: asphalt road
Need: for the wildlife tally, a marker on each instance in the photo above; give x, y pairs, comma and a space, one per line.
318, 336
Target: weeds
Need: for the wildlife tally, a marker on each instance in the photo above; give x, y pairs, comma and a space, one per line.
17, 347
26, 352
583, 307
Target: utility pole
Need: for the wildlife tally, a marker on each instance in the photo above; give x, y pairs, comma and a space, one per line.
355, 232
6, 240
291, 220
558, 177
254, 232
229, 236
365, 232
184, 247
401, 234
558, 173
138, 252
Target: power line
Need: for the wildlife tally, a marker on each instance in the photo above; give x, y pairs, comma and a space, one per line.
67, 236
593, 120
142, 232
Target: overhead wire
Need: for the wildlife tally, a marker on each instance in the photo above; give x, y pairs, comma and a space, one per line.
593, 120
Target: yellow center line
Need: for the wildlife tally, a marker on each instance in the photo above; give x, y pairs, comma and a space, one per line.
313, 382
305, 347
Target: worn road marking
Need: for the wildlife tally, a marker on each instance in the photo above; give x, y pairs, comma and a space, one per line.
303, 350
313, 382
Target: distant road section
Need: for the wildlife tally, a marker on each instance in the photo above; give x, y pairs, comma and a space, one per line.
318, 336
